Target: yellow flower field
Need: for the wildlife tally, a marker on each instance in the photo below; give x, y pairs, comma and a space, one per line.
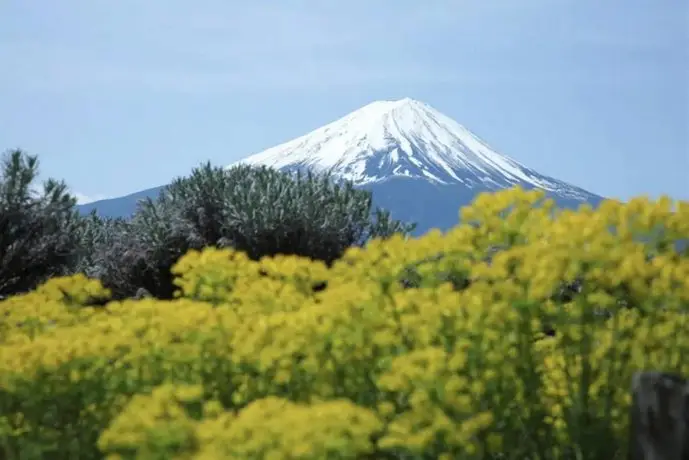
428, 348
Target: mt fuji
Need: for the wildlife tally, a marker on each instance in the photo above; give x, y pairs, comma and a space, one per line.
405, 139
419, 164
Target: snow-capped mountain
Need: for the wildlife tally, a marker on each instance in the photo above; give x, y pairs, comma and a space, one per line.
420, 165
407, 139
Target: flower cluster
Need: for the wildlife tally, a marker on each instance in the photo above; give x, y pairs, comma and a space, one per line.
407, 348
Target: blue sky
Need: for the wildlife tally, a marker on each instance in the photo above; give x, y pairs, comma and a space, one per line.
120, 96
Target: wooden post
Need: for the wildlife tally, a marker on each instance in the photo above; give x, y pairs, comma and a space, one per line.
659, 417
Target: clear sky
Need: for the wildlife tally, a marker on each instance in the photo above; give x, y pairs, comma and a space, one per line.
120, 96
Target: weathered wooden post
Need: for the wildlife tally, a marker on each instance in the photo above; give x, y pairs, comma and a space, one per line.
659, 417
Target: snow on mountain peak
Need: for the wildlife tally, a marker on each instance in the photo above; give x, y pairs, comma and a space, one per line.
404, 138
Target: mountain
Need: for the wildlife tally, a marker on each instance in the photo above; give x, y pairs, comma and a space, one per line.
419, 164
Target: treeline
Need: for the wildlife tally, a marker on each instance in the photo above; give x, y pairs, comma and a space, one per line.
257, 210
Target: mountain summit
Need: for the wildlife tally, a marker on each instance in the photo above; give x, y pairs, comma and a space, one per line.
419, 164
405, 138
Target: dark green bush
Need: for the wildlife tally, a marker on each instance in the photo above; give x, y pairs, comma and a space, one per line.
39, 235
257, 210
128, 255
264, 212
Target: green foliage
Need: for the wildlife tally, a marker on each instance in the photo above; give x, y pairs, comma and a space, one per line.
250, 362
126, 255
38, 229
264, 212
257, 210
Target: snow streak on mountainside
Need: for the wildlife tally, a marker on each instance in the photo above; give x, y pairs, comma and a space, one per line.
406, 138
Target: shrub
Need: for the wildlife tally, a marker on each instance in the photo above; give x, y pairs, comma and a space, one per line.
256, 210
250, 361
37, 229
128, 255
264, 212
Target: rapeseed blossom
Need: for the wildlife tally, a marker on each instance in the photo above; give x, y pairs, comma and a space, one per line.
418, 348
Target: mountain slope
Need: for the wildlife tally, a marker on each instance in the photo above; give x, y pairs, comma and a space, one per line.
410, 139
420, 164
123, 206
